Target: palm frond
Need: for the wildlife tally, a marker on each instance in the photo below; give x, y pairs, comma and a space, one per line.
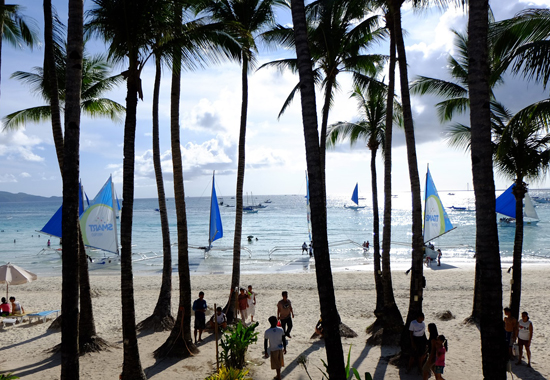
17, 119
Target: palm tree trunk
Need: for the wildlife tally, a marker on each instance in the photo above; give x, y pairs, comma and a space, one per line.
417, 278
493, 347
236, 274
375, 237
179, 343
131, 367
515, 294
70, 367
324, 123
2, 4
392, 321
329, 312
50, 76
161, 319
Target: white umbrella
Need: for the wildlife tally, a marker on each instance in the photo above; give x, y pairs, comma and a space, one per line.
13, 275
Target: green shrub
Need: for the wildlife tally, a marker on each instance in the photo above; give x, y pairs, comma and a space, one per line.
8, 376
235, 342
230, 374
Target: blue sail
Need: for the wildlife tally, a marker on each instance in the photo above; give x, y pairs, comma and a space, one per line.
355, 195
436, 220
216, 230
54, 225
505, 204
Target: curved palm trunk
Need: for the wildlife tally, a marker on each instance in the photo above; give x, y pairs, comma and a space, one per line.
493, 347
161, 319
69, 296
236, 274
325, 286
324, 123
50, 76
392, 320
2, 3
179, 343
417, 278
519, 192
131, 367
375, 237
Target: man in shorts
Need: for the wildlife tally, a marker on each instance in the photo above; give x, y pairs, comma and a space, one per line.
285, 314
417, 331
511, 330
275, 336
199, 306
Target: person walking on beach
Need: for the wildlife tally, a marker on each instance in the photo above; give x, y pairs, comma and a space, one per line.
285, 313
275, 337
417, 331
304, 248
16, 307
199, 306
243, 304
525, 335
432, 348
441, 349
511, 330
439, 254
49, 243
251, 303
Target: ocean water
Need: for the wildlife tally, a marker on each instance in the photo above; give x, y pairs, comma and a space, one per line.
280, 230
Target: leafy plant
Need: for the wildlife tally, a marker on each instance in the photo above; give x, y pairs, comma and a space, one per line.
8, 376
235, 342
226, 373
349, 370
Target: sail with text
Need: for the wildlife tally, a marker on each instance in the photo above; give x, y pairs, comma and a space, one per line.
436, 220
215, 230
98, 222
54, 225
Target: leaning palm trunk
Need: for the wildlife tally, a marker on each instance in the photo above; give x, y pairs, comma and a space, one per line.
50, 76
69, 294
417, 278
131, 367
515, 295
2, 4
324, 122
493, 347
392, 319
329, 313
179, 343
161, 319
236, 274
375, 235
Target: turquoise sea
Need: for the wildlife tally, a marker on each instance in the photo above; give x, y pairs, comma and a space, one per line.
280, 229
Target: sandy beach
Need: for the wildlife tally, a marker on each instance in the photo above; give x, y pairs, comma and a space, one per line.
24, 347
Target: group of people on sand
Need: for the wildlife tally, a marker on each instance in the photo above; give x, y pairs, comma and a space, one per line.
521, 330
11, 308
275, 337
307, 249
427, 352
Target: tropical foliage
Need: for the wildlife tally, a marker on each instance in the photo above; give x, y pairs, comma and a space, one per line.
235, 342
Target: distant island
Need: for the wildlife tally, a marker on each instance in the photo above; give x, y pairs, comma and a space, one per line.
22, 197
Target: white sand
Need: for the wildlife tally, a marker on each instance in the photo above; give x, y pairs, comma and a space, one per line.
24, 346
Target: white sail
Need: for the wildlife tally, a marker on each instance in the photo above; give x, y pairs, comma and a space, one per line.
529, 209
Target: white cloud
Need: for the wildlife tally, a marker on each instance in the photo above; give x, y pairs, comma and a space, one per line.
7, 178
25, 175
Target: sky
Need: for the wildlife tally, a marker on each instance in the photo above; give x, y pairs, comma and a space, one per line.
275, 148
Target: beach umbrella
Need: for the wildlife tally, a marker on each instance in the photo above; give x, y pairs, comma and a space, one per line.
13, 275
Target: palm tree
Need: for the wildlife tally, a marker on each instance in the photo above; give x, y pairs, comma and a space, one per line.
325, 285
161, 319
521, 151
371, 104
129, 32
493, 347
14, 29
245, 20
338, 34
69, 301
521, 43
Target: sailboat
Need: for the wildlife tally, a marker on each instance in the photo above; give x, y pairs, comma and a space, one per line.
215, 230
436, 220
355, 199
506, 205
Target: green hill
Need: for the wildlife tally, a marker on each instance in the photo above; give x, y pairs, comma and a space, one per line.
22, 197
